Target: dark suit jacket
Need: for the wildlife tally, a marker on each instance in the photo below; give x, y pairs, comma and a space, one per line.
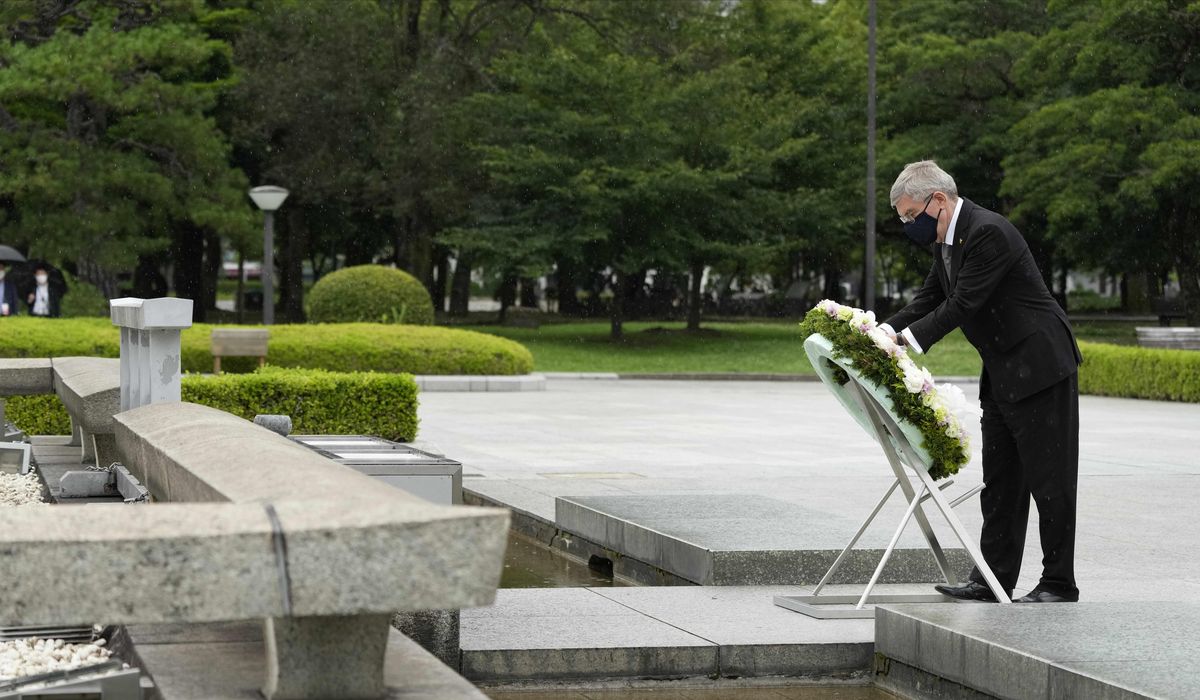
10, 296
997, 296
55, 299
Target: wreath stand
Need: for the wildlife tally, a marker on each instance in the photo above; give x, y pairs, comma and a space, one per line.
911, 469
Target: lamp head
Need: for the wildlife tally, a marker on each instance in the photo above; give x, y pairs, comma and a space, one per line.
268, 197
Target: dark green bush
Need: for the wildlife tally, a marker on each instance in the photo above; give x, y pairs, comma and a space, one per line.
372, 293
1140, 373
343, 347
319, 402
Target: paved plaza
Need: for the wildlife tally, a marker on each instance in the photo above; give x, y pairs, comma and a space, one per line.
790, 441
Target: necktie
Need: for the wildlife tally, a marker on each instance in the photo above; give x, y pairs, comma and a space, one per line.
946, 253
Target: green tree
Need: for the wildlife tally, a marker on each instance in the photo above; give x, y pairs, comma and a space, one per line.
1109, 159
107, 146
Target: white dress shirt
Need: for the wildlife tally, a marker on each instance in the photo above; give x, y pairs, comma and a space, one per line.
41, 300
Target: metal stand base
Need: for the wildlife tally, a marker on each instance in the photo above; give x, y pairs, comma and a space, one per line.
904, 461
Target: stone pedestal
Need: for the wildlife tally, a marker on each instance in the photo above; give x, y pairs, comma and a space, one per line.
310, 658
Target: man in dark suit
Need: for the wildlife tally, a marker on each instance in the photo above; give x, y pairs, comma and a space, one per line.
984, 280
8, 292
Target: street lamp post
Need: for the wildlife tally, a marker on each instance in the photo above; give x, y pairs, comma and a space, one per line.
268, 198
869, 272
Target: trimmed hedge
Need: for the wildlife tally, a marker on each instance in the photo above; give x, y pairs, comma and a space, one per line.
1140, 373
341, 347
369, 293
318, 401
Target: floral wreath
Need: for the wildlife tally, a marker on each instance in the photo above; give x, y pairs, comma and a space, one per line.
937, 410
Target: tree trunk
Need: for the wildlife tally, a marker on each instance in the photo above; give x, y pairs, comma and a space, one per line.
460, 286
213, 259
568, 301
291, 278
441, 284
833, 287
616, 310
529, 293
508, 294
1135, 292
188, 252
239, 301
695, 295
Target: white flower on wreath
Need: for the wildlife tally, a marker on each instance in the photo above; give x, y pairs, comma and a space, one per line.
863, 321
916, 379
845, 313
829, 307
953, 430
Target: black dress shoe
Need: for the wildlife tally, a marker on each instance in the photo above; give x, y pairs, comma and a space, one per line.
1036, 596
971, 590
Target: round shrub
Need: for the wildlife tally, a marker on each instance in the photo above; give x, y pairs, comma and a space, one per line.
372, 293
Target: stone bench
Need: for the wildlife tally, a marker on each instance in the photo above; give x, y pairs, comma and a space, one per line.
24, 376
1174, 338
253, 527
90, 388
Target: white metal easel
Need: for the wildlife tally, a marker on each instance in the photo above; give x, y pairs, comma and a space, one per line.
911, 470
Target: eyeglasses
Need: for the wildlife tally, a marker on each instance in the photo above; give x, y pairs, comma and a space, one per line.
906, 219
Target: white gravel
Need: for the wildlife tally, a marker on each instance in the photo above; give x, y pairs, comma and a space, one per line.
27, 657
20, 490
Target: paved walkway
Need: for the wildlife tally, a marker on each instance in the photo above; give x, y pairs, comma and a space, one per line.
1139, 462
791, 442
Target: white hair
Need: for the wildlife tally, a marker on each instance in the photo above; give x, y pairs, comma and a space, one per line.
921, 179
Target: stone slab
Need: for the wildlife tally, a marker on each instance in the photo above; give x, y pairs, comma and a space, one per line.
181, 660
572, 633
1093, 650
22, 376
735, 539
90, 388
538, 635
476, 383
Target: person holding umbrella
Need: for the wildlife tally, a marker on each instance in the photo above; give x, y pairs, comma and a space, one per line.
8, 285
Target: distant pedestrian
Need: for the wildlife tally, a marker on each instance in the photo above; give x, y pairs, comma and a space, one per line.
46, 299
8, 293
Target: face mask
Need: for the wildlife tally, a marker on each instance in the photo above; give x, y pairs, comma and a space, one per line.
41, 279
923, 229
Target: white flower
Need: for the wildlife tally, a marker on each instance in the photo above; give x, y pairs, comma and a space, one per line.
881, 340
862, 321
845, 313
953, 430
829, 306
916, 379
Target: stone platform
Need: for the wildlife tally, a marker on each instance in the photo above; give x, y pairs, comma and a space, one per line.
747, 539
571, 634
224, 661
1099, 651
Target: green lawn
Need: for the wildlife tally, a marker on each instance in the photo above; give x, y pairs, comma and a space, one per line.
719, 347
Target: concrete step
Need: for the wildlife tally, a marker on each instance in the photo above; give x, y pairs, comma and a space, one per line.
559, 634
738, 540
1102, 650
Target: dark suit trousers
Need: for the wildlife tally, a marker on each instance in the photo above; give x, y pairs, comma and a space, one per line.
1030, 447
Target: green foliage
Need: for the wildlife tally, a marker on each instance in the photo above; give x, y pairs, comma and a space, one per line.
83, 299
884, 371
42, 414
371, 293
343, 347
107, 137
319, 402
1140, 373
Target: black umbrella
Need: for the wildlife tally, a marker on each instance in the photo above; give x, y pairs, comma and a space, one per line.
10, 255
